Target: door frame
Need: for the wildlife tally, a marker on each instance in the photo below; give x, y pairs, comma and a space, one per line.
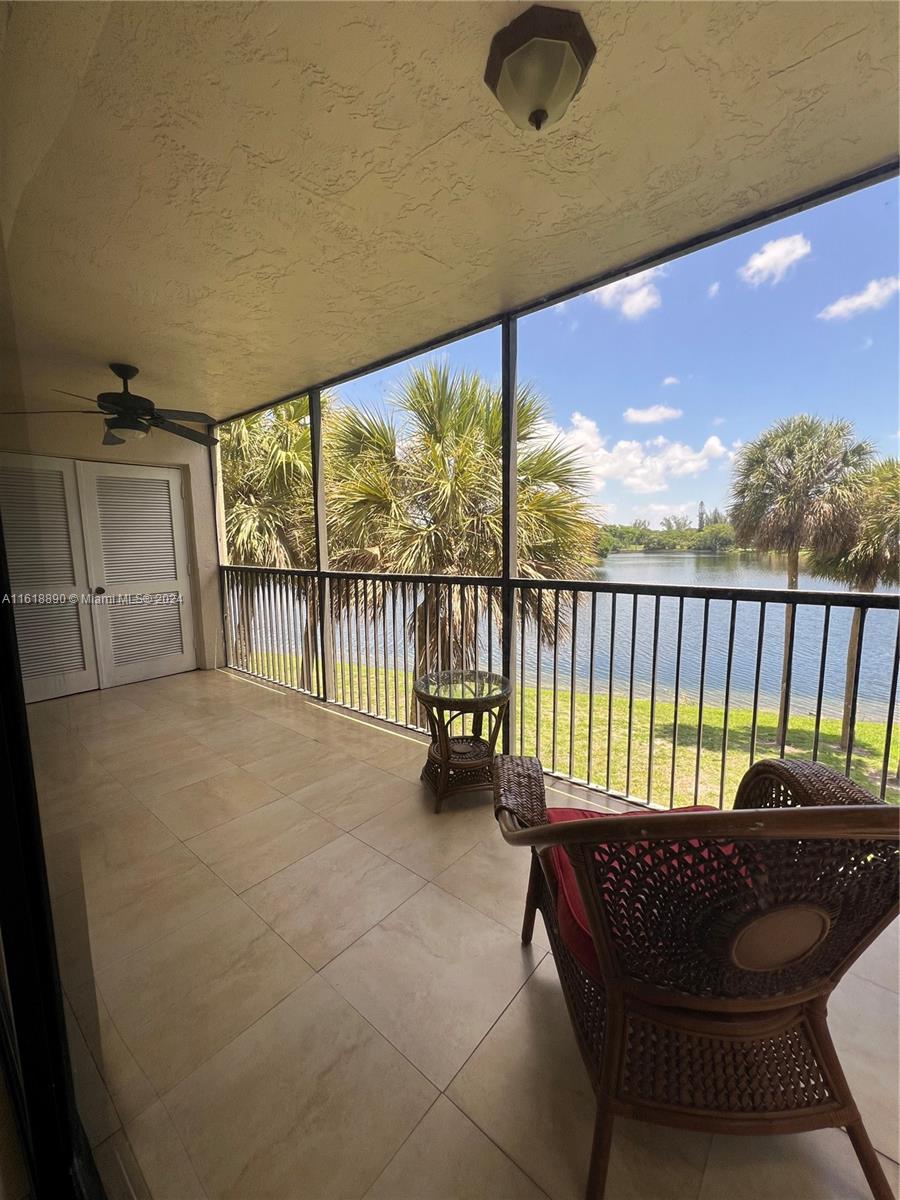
34, 1050
66, 683
110, 675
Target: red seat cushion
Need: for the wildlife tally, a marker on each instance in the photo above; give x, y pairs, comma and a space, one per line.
574, 927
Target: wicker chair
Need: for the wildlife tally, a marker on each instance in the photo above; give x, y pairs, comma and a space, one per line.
697, 948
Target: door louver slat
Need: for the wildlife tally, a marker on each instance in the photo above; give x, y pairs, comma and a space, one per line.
49, 637
136, 532
36, 528
141, 631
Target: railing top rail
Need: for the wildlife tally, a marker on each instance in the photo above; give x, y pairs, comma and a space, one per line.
397, 577
308, 571
750, 595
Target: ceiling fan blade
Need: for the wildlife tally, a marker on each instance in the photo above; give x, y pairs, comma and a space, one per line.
182, 431
43, 412
60, 392
110, 439
182, 414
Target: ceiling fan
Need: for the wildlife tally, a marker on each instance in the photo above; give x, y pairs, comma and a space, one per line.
132, 416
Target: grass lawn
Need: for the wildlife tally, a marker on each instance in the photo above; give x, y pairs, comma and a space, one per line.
382, 693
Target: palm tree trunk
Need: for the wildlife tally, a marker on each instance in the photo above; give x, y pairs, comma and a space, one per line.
789, 615
852, 652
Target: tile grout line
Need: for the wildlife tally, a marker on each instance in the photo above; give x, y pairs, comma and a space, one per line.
509, 1158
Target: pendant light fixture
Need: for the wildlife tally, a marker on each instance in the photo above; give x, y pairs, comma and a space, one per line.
537, 63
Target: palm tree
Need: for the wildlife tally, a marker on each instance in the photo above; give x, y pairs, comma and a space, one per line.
794, 488
870, 555
266, 485
267, 492
420, 492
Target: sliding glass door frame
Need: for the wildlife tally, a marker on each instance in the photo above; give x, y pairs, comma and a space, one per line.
34, 1053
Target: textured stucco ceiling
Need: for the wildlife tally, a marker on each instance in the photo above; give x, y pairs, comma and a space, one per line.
244, 199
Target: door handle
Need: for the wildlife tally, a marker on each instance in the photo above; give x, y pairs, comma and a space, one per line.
99, 591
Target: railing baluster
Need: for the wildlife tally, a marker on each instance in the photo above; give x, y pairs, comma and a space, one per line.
555, 676
395, 654
284, 585
428, 625
760, 639
820, 690
609, 694
438, 630
590, 733
653, 656
267, 626
357, 645
573, 683
449, 666
309, 658
728, 662
277, 657
301, 606
854, 695
788, 673
703, 644
376, 682
634, 617
368, 660
464, 658
476, 627
521, 675
403, 587
892, 699
678, 642
490, 628
384, 631
343, 593
538, 651
295, 630
318, 594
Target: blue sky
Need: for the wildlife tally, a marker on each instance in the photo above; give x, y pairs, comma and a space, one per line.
660, 378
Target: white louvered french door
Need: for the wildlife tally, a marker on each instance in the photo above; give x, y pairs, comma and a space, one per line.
134, 534
44, 548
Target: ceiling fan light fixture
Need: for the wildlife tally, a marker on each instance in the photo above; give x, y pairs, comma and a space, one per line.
537, 63
127, 429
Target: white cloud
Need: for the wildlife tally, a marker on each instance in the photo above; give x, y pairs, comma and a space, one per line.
718, 420
642, 467
633, 297
772, 263
656, 511
713, 290
651, 415
670, 380
874, 295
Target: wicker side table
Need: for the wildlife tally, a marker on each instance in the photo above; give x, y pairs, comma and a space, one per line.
463, 762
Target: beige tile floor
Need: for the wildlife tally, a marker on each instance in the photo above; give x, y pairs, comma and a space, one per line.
307, 985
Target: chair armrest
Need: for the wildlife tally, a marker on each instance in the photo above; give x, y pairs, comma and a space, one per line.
519, 790
775, 783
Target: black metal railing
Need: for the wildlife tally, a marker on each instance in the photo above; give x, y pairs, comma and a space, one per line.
387, 630
660, 694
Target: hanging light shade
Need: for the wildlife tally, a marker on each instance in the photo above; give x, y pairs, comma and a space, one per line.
126, 429
537, 63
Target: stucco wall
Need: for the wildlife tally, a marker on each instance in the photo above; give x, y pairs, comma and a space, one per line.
79, 437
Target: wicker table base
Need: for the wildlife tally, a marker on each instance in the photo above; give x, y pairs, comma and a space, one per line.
461, 763
468, 767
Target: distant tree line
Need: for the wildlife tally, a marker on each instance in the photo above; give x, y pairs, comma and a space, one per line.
677, 533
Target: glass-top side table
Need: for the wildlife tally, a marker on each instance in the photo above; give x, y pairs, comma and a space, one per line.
462, 762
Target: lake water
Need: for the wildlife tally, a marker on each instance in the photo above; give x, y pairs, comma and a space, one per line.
744, 570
